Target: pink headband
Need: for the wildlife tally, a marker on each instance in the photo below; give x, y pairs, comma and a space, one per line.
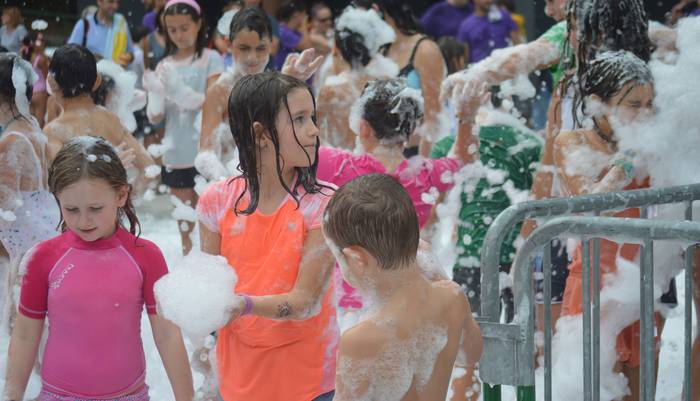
190, 3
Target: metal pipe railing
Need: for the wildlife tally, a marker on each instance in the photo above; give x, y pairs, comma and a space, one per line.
591, 228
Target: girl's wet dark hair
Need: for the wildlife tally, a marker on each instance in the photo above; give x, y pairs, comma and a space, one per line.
610, 72
7, 87
402, 14
74, 69
253, 19
99, 96
260, 98
92, 157
602, 25
352, 47
392, 113
185, 9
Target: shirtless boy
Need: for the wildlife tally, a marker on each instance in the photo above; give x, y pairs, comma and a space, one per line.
404, 349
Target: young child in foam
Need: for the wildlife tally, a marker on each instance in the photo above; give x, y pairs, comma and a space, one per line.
93, 312
405, 348
32, 50
384, 117
176, 92
28, 212
72, 78
266, 222
250, 38
618, 89
359, 35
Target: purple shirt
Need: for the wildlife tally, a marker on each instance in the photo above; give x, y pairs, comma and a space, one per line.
484, 36
289, 40
149, 21
444, 19
695, 13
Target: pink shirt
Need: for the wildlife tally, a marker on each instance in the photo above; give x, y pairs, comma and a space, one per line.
93, 294
417, 175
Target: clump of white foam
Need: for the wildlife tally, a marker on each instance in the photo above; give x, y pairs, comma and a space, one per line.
22, 75
120, 99
158, 149
7, 215
210, 166
374, 31
182, 211
619, 306
584, 161
197, 294
667, 144
152, 171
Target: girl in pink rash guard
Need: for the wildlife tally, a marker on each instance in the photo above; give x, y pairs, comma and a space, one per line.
92, 282
384, 117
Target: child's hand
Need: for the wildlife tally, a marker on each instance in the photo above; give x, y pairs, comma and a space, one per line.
302, 66
152, 83
126, 154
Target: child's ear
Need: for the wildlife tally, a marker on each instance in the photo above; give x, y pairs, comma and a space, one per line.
122, 195
259, 132
356, 254
365, 129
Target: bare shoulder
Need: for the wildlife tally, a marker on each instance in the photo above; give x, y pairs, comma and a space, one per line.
366, 340
453, 295
427, 51
219, 90
568, 138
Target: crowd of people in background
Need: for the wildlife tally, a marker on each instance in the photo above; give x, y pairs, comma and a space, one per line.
312, 150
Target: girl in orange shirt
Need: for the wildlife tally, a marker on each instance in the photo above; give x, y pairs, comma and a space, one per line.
281, 341
588, 160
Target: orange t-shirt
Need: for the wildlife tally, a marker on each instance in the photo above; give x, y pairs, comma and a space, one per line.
260, 359
627, 343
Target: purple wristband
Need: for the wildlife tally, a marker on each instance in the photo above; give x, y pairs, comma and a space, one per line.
248, 305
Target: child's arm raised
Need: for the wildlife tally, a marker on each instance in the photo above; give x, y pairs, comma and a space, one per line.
24, 344
466, 146
172, 352
304, 300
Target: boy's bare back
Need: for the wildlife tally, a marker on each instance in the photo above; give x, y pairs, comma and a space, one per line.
407, 349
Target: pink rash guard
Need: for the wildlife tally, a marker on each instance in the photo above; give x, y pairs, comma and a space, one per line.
93, 294
417, 175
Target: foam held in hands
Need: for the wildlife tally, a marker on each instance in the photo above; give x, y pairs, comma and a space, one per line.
197, 294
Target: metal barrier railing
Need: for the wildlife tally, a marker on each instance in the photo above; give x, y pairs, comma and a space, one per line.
515, 362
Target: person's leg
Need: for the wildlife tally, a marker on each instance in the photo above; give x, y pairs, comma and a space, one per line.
189, 197
155, 138
38, 107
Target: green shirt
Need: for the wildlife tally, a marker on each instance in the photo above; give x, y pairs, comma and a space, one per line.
556, 35
498, 151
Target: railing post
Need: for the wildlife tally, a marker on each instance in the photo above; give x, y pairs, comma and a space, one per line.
647, 338
688, 326
587, 390
547, 271
526, 393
